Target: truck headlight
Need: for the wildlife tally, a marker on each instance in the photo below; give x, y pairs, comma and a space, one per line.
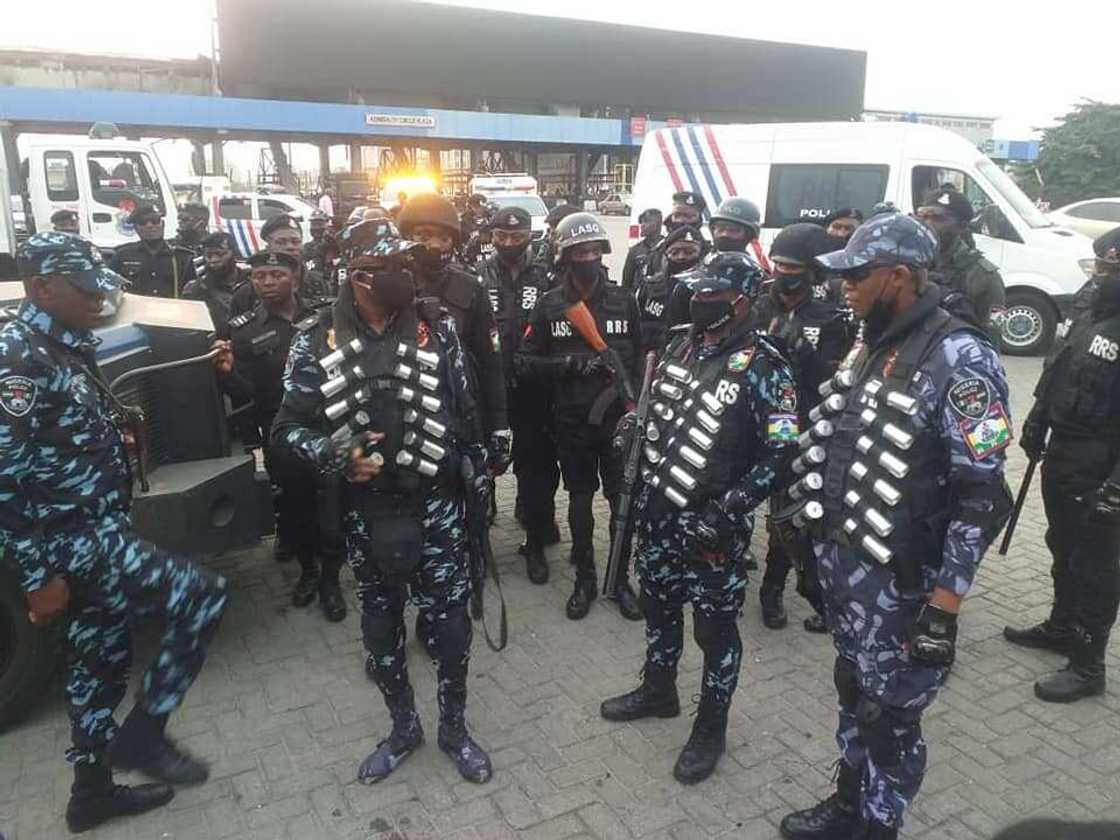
1089, 266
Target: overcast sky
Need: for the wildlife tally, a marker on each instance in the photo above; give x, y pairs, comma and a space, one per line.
955, 56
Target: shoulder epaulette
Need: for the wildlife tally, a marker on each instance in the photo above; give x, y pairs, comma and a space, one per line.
242, 319
311, 321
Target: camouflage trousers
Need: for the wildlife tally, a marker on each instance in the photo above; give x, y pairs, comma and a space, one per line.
116, 578
672, 574
881, 692
439, 588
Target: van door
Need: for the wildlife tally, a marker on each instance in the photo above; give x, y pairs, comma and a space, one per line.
991, 228
115, 182
52, 183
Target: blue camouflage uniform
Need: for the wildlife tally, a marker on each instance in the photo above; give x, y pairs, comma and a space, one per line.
948, 393
65, 490
439, 583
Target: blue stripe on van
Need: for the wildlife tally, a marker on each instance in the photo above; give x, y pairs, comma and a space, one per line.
702, 159
687, 167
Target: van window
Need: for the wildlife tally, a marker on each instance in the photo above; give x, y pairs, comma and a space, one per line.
809, 192
1099, 211
987, 218
62, 182
270, 207
119, 177
236, 208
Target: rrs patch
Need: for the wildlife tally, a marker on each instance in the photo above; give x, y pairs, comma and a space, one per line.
1103, 348
727, 392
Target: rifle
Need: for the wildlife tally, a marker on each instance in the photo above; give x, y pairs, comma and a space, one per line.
620, 536
479, 489
1019, 500
581, 319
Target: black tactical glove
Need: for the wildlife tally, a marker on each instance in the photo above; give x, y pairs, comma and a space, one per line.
933, 638
500, 452
1104, 505
715, 531
1033, 436
624, 432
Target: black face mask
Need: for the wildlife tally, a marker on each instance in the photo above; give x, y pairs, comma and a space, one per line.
947, 239
838, 242
789, 283
708, 315
677, 266
394, 290
511, 253
585, 272
1108, 294
729, 243
431, 261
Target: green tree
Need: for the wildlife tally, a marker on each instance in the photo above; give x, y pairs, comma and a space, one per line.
1080, 157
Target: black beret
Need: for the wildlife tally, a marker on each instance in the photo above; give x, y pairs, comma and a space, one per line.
143, 211
274, 258
685, 233
690, 199
281, 222
63, 215
558, 213
649, 211
511, 218
221, 241
951, 200
1107, 246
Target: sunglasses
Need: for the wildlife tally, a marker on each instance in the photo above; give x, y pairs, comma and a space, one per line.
858, 275
149, 222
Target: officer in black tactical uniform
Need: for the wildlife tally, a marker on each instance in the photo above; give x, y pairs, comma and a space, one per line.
282, 234
546, 247
480, 244
194, 219
1078, 402
252, 368
380, 396
514, 284
589, 391
688, 210
221, 280
723, 430
841, 223
431, 220
649, 226
662, 298
972, 284
312, 251
152, 265
815, 336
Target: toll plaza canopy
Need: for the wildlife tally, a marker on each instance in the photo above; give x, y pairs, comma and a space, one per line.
399, 52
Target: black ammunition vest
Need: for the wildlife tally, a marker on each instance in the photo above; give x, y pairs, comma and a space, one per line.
1084, 397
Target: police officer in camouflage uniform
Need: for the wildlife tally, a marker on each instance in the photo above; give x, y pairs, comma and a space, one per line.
589, 394
816, 335
153, 266
514, 284
908, 498
1077, 401
252, 369
961, 270
65, 492
723, 430
379, 396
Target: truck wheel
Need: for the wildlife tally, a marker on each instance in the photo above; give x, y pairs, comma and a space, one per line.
28, 655
1028, 327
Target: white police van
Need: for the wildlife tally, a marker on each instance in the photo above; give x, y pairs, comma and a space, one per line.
800, 172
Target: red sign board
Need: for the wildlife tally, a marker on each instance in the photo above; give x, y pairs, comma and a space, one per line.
637, 126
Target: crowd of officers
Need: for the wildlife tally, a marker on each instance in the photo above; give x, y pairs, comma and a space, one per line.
847, 381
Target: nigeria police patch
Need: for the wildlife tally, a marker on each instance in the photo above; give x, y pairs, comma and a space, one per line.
970, 398
17, 395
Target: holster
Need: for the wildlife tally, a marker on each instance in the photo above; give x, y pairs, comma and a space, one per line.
396, 531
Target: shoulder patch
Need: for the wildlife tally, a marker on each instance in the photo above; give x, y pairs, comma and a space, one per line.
988, 435
782, 428
17, 395
970, 398
245, 317
741, 360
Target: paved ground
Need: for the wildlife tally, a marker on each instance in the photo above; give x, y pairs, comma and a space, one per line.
285, 713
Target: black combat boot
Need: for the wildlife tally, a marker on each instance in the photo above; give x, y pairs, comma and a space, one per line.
330, 594
142, 745
1083, 676
536, 564
405, 737
836, 818
1059, 638
552, 533
470, 759
773, 610
94, 798
307, 587
815, 624
706, 744
655, 696
585, 591
627, 601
